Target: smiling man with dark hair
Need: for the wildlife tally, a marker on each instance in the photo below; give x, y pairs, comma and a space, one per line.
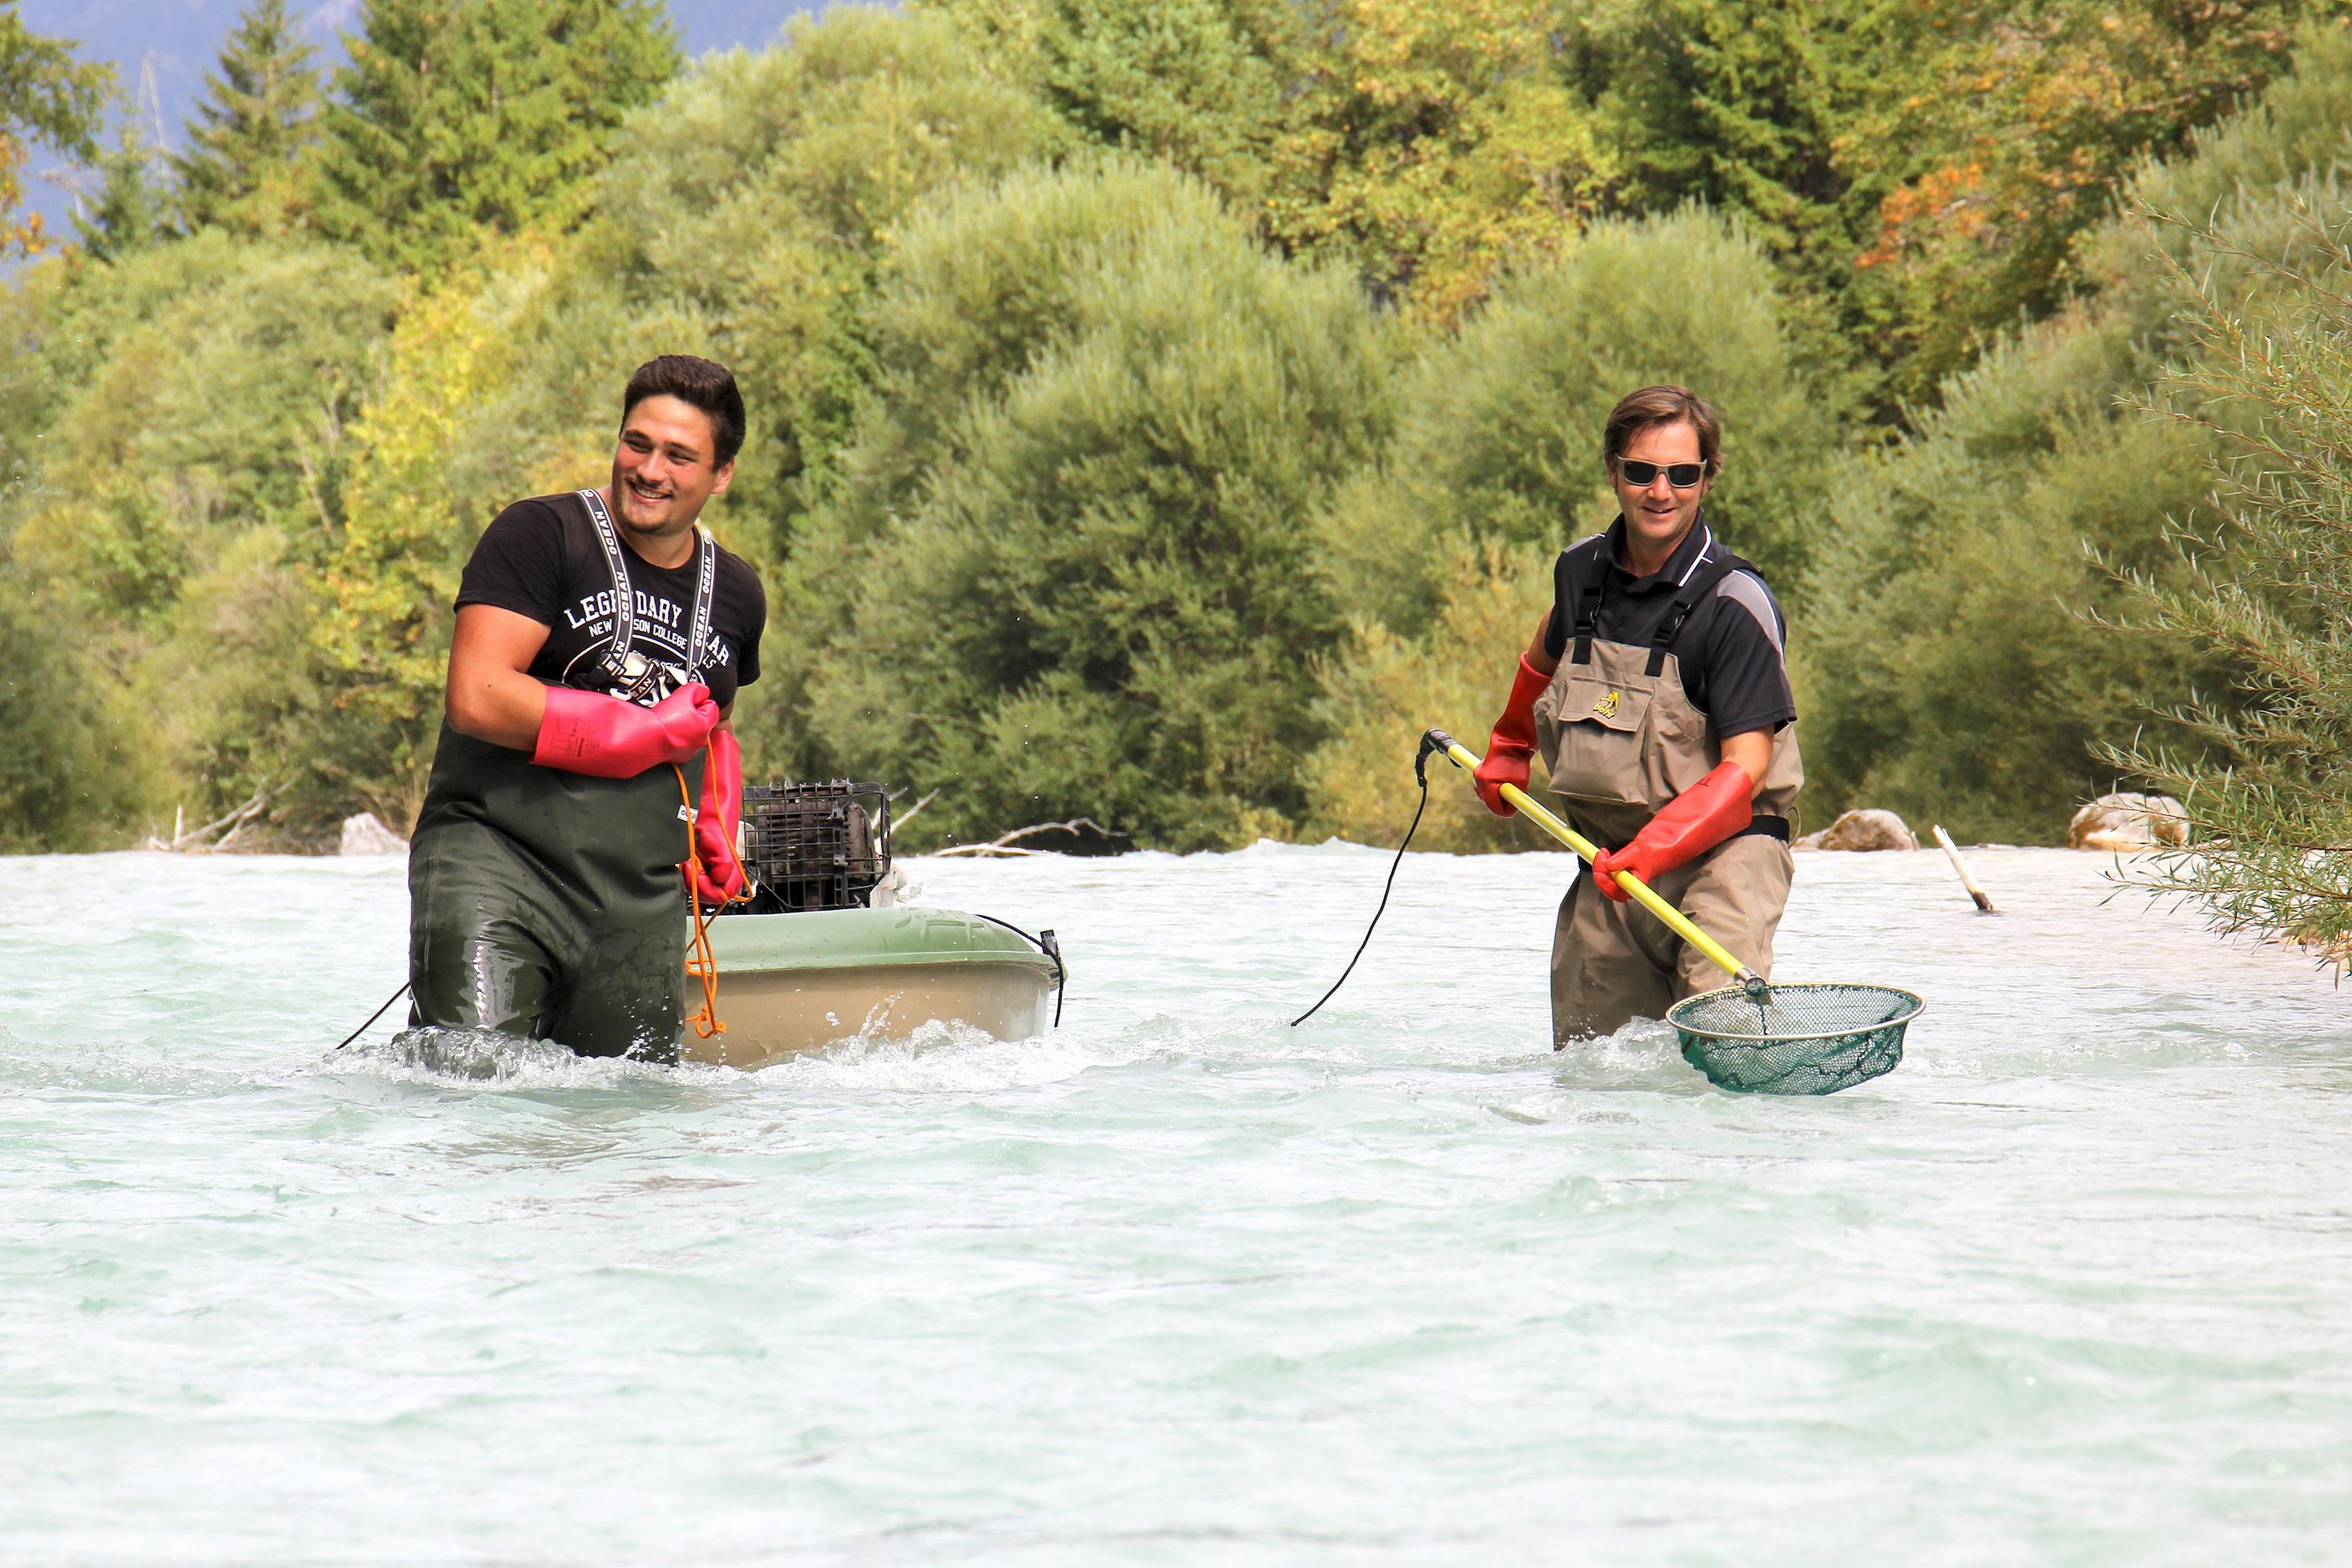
1657, 689
601, 637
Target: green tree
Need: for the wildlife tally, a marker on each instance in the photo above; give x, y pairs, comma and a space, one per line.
1433, 145
744, 216
131, 211
1946, 668
2265, 589
1199, 83
208, 385
1746, 105
46, 96
1066, 574
249, 163
2017, 128
456, 121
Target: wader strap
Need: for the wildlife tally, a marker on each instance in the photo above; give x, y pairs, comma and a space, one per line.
1687, 599
1588, 612
615, 663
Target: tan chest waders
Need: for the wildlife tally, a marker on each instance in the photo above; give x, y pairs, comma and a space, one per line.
1620, 738
545, 904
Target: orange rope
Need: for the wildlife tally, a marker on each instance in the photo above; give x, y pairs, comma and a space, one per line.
698, 961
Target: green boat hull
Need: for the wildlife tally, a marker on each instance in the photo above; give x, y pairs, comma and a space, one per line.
790, 984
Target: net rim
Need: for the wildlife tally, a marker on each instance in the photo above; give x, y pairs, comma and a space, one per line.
1919, 1005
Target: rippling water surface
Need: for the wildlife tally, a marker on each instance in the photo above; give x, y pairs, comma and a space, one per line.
1178, 1284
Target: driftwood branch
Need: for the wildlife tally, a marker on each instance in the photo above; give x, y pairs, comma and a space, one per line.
898, 823
193, 841
1008, 844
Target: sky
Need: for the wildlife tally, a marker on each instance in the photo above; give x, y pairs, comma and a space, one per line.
163, 49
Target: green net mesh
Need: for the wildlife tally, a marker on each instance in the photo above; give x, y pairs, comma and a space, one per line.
1796, 1039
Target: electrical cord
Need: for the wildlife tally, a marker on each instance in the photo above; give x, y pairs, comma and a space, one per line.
379, 1012
1429, 742
1045, 942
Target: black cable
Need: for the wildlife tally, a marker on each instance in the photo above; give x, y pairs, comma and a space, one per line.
362, 1029
1051, 947
1431, 742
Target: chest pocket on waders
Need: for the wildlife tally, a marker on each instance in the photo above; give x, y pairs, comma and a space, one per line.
1611, 732
1615, 725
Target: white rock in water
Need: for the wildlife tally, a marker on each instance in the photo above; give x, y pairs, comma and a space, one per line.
2129, 821
1862, 830
364, 835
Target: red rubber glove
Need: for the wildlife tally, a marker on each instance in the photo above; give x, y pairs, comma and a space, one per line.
716, 874
1693, 823
589, 732
1513, 742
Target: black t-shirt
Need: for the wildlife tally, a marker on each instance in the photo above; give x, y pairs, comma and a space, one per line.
1730, 651
542, 558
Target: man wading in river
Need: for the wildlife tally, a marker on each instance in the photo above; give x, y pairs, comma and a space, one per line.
600, 638
1657, 689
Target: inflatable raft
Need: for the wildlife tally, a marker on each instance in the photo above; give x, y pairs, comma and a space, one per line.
800, 982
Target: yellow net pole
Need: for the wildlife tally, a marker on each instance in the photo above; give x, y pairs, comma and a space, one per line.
1676, 922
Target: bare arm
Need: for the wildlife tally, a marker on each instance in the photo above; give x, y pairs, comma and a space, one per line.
1753, 752
1541, 660
492, 696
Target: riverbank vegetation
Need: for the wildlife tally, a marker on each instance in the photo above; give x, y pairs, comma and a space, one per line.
1162, 414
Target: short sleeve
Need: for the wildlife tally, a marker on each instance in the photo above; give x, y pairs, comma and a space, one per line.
748, 659
517, 563
1747, 671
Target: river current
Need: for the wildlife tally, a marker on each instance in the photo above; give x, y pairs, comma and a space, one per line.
1177, 1283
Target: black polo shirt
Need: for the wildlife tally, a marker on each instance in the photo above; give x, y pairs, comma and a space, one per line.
1731, 649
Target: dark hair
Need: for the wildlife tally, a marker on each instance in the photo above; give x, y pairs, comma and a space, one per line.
707, 385
1654, 405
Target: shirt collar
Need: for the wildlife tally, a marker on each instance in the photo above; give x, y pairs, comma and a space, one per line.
1696, 549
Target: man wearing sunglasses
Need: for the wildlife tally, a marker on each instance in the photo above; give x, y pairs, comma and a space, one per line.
1657, 689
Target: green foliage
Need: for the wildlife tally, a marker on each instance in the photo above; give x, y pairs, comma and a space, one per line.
208, 385
385, 600
2265, 585
1076, 499
132, 209
1066, 575
1433, 145
743, 218
1748, 108
2016, 127
1199, 83
1452, 671
452, 121
46, 96
250, 166
1946, 670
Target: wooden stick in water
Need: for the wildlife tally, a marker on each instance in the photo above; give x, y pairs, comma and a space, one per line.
1952, 853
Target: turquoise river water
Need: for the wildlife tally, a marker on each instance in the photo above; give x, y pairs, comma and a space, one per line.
1179, 1284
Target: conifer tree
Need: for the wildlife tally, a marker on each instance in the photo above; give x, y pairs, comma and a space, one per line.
454, 121
132, 211
248, 165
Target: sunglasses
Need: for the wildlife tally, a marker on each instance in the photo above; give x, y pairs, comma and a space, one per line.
1682, 476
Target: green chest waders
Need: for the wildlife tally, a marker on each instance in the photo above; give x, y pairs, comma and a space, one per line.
548, 904
1620, 738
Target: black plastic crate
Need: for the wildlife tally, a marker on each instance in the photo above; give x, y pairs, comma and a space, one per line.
815, 846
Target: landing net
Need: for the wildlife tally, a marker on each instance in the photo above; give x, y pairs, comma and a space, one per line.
1794, 1039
